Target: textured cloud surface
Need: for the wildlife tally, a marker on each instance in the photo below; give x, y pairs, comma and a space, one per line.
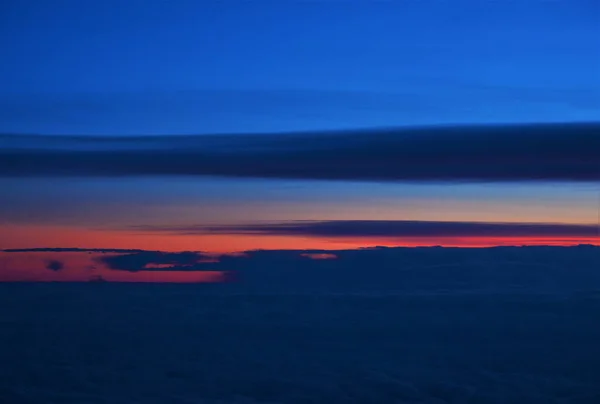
99, 343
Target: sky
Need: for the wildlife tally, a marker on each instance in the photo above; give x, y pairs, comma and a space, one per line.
164, 67
326, 125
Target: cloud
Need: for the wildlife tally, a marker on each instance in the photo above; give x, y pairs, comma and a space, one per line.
217, 110
156, 260
418, 269
54, 265
380, 269
544, 152
391, 228
408, 269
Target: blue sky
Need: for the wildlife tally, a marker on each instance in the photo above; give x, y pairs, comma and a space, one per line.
115, 67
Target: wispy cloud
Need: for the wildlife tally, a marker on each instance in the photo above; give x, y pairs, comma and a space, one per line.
389, 228
550, 152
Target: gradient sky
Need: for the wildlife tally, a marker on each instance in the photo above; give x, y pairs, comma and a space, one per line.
154, 66
150, 67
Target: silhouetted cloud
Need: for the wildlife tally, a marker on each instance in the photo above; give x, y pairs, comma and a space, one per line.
408, 269
419, 269
54, 265
155, 260
391, 228
544, 152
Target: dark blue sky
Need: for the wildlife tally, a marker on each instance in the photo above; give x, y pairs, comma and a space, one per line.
149, 66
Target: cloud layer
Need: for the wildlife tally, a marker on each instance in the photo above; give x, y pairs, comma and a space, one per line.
391, 228
542, 268
549, 152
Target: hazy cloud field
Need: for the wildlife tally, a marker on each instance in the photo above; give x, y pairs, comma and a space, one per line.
134, 343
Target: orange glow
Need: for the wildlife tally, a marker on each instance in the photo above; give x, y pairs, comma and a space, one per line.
59, 237
83, 267
320, 256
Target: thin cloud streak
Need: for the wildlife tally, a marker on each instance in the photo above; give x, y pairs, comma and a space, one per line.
388, 228
544, 152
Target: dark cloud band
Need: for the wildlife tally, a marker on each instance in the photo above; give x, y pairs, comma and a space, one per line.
551, 152
392, 228
430, 269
